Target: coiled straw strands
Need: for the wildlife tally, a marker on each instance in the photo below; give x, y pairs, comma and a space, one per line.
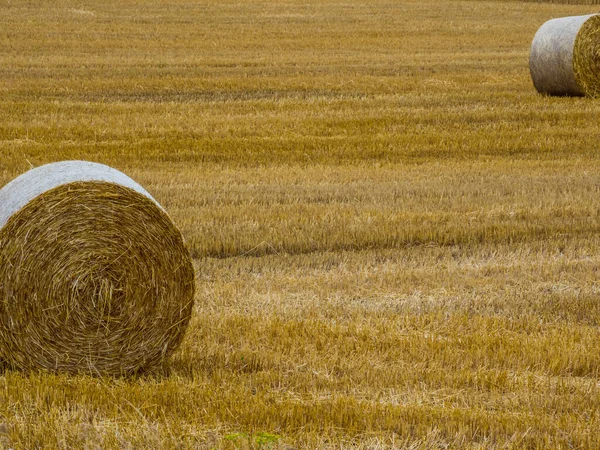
565, 56
94, 276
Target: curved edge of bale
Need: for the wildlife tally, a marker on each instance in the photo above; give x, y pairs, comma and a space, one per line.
27, 186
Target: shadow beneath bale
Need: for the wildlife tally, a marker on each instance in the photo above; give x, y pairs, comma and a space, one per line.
155, 374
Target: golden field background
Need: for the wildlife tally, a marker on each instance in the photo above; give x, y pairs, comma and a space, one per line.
396, 238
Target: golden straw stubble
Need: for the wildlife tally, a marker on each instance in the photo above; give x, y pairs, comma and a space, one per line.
586, 57
94, 277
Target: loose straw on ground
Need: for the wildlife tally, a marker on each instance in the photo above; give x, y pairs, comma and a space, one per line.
94, 276
565, 56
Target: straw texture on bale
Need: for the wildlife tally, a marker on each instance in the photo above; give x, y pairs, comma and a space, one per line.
94, 276
565, 56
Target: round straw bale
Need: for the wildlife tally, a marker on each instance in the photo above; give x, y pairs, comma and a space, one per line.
94, 276
565, 56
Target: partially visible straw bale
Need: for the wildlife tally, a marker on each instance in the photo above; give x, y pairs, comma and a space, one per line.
94, 276
565, 56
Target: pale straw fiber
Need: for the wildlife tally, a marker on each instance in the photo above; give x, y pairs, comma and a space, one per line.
94, 276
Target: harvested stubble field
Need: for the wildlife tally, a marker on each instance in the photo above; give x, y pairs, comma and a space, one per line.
396, 239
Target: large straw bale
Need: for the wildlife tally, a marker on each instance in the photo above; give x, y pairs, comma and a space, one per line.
94, 276
565, 56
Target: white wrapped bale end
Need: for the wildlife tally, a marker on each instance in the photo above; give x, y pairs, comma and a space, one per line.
94, 276
565, 56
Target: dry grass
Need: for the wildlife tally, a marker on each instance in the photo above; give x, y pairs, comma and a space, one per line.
559, 2
395, 237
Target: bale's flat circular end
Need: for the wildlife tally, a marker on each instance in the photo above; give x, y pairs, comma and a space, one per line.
586, 57
95, 278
